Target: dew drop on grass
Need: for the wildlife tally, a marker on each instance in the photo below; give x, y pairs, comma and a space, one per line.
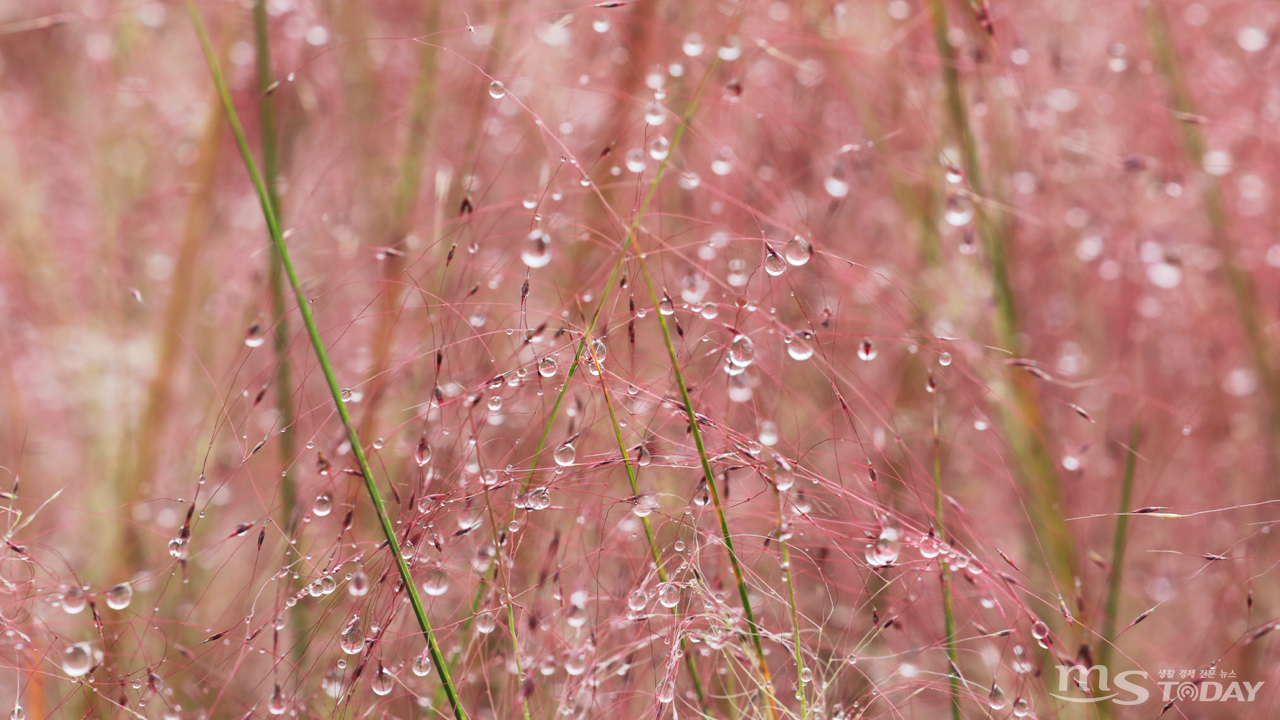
742, 352
323, 504
722, 162
784, 476
536, 252
565, 454
655, 114
666, 691
576, 664
929, 547
530, 201
485, 623
383, 682
547, 366
944, 359
710, 311
74, 600
996, 698
18, 713
768, 433
644, 505
867, 351
669, 595
806, 675
352, 640
119, 596
178, 548
540, 500
773, 263
799, 347
576, 616
635, 160
798, 251
1021, 708
637, 600
495, 403
278, 702
77, 659
693, 45
436, 584
644, 457
1039, 630
422, 664
497, 90
659, 148
256, 335
958, 211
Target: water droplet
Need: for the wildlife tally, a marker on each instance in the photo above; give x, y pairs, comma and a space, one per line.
497, 90
77, 659
929, 547
635, 160
958, 211
577, 663
784, 476
944, 359
806, 675
1039, 630
540, 500
773, 262
996, 699
731, 50
256, 335
18, 713
637, 600
669, 595
278, 702
799, 347
178, 548
495, 403
655, 114
689, 180
644, 457
74, 600
536, 252
422, 664
693, 45
565, 454
659, 148
547, 366
383, 681
867, 351
119, 596
742, 352
352, 640
485, 623
710, 311
722, 161
1021, 708
666, 691
323, 504
530, 201
644, 505
436, 584
798, 251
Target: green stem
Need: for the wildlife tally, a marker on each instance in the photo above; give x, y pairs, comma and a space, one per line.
1118, 546
322, 358
279, 318
648, 528
948, 612
726, 536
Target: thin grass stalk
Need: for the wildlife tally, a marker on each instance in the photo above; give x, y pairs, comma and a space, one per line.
1022, 420
791, 604
648, 528
1115, 586
279, 318
948, 610
322, 358
753, 627
1249, 312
